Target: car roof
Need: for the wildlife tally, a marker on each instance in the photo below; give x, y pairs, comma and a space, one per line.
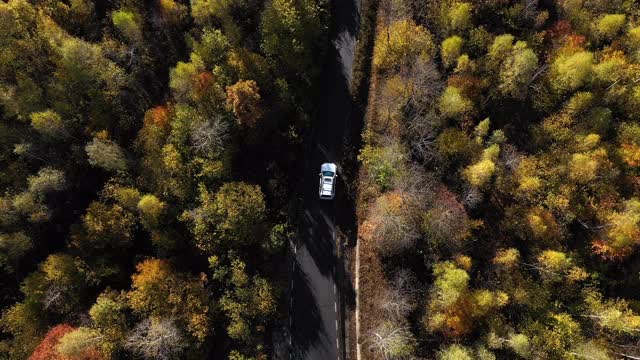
328, 167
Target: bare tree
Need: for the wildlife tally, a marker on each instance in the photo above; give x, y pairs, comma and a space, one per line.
471, 197
54, 297
400, 298
511, 157
208, 136
395, 226
156, 338
447, 223
393, 341
394, 11
422, 133
427, 84
417, 185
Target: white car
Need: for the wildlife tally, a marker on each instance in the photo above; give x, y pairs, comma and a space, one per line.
328, 177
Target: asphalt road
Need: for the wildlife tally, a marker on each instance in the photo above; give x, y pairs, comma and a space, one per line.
315, 324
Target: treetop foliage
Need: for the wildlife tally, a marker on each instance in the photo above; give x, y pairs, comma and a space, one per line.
134, 142
523, 236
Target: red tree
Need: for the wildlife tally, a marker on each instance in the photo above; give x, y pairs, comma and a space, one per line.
47, 348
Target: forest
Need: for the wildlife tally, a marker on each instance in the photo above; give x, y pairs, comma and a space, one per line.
498, 194
148, 152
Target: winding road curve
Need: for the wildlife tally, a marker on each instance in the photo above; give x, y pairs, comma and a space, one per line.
316, 326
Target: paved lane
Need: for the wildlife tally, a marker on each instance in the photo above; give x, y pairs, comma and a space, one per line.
315, 328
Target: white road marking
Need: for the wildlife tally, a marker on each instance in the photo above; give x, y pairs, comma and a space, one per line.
295, 249
335, 306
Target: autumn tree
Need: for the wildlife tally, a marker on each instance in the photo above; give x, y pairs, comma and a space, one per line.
151, 210
157, 290
393, 224
620, 237
106, 226
400, 43
446, 223
106, 154
248, 303
47, 349
243, 98
481, 172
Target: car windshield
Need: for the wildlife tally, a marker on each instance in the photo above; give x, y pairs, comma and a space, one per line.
327, 173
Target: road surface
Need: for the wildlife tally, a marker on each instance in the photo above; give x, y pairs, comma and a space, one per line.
315, 323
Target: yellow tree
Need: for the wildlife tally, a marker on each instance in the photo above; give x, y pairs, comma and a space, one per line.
400, 43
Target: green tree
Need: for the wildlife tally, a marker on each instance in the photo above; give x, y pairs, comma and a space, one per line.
290, 30
183, 78
128, 23
569, 72
232, 217
612, 315
610, 25
454, 104
517, 70
48, 123
13, 247
250, 301
502, 44
460, 16
79, 343
151, 210
109, 314
213, 47
592, 350
455, 352
450, 50
481, 172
